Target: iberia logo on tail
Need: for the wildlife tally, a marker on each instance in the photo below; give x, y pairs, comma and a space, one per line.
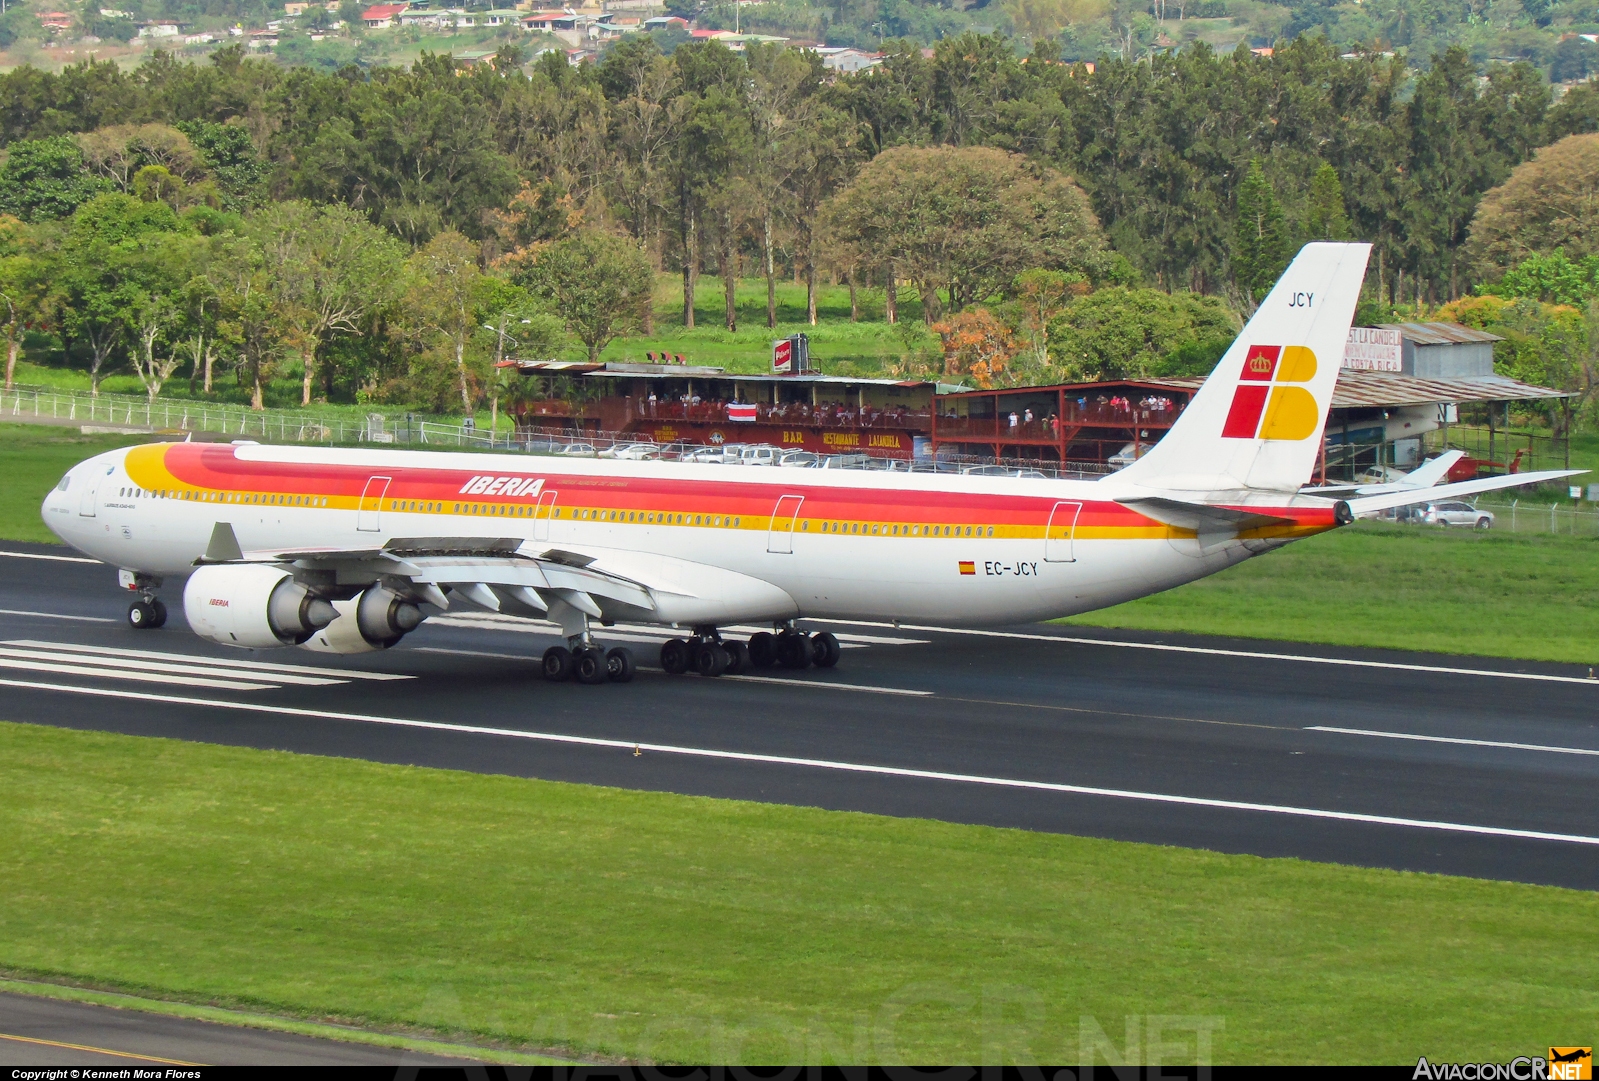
1268, 404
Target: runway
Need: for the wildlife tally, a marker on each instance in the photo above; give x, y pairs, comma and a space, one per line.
1465, 766
46, 1032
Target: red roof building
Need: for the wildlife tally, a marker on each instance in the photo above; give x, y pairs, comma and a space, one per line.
379, 16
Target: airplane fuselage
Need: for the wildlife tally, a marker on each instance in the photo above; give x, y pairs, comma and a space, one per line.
851, 545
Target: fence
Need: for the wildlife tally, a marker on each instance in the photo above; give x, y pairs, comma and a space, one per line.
1519, 517
175, 415
283, 426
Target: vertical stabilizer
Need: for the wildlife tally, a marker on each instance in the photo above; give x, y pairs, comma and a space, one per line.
1258, 420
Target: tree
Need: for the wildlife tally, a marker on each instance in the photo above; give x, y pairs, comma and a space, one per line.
152, 273
1547, 203
44, 179
1545, 344
964, 220
597, 281
328, 268
1261, 241
976, 344
22, 275
1121, 333
249, 320
440, 302
1552, 278
89, 290
1325, 217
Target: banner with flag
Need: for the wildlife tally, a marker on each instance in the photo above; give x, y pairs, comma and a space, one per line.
741, 412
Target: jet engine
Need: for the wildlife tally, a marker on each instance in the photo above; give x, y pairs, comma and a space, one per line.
253, 605
374, 620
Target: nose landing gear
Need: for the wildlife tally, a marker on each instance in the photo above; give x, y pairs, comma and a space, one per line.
147, 613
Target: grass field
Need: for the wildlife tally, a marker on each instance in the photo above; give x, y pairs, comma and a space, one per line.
614, 923
34, 457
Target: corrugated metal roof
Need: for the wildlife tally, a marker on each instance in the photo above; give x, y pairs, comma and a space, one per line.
1378, 390
1440, 333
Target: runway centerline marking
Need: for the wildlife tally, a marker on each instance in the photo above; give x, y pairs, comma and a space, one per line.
54, 559
632, 746
97, 1050
56, 615
1211, 651
1547, 748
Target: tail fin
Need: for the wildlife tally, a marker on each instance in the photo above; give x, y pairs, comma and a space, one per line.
1257, 422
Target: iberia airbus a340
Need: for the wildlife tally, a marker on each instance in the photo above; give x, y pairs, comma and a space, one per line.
348, 550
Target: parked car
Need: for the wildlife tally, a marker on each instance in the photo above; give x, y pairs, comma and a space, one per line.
633, 452
1128, 455
800, 459
760, 454
846, 461
1453, 513
577, 450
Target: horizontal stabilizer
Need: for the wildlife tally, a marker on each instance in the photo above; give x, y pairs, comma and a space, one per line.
1423, 476
1212, 525
1389, 500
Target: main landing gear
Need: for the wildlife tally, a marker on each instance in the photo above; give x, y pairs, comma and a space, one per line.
591, 664
709, 654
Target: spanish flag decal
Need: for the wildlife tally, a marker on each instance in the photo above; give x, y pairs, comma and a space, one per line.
968, 566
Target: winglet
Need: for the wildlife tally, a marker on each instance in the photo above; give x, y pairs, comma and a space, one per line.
224, 546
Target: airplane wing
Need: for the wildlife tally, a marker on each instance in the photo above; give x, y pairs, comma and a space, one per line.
1423, 476
1387, 500
525, 578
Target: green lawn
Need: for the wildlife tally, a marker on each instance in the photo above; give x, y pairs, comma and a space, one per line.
35, 457
1397, 587
616, 923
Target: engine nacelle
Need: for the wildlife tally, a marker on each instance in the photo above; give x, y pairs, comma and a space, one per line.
375, 620
254, 606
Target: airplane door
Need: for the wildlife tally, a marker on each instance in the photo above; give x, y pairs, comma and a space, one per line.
367, 516
1058, 535
90, 497
542, 515
780, 535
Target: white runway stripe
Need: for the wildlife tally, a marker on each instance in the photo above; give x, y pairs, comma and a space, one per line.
1452, 739
144, 664
53, 559
223, 662
56, 615
629, 746
137, 676
1243, 653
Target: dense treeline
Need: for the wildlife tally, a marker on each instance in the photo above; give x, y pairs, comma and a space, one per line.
1187, 172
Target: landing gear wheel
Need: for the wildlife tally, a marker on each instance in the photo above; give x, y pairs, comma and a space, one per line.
557, 664
824, 650
591, 666
763, 649
159, 611
793, 650
675, 656
142, 616
619, 665
710, 659
738, 657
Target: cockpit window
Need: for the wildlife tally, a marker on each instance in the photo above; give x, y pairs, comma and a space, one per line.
66, 480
